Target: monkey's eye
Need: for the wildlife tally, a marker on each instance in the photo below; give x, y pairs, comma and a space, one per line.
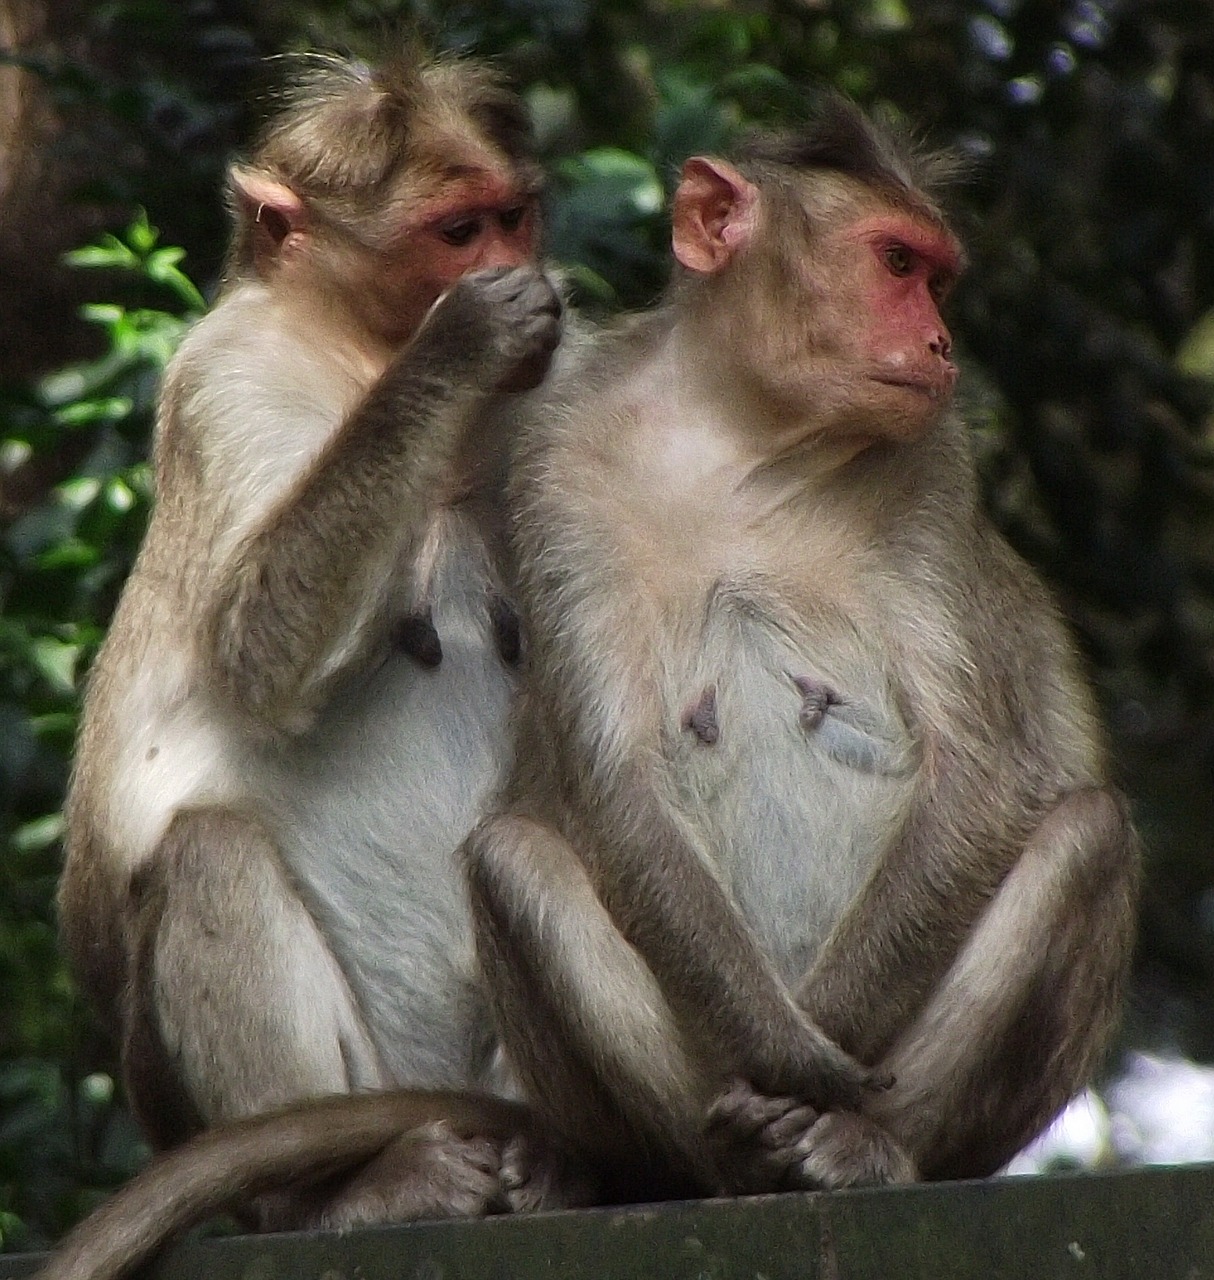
512, 219
461, 231
899, 259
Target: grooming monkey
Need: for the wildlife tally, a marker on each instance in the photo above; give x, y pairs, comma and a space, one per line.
808, 832
278, 754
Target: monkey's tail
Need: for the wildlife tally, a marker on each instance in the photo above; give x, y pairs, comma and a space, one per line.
304, 1143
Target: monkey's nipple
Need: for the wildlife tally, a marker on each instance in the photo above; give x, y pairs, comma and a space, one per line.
701, 717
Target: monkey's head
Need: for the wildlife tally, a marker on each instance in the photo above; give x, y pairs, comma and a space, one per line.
822, 260
379, 188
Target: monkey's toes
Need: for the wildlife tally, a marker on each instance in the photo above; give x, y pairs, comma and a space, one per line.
844, 1149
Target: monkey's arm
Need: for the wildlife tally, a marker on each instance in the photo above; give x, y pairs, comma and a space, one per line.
667, 902
297, 579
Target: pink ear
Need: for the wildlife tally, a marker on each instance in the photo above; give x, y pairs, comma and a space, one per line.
273, 206
715, 213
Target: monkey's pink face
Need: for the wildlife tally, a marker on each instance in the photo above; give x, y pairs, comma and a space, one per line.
478, 221
902, 269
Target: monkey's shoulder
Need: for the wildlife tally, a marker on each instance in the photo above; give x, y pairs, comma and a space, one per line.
251, 390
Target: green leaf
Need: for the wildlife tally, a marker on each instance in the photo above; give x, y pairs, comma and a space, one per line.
141, 235
87, 412
56, 659
162, 268
109, 252
1196, 353
69, 554
39, 834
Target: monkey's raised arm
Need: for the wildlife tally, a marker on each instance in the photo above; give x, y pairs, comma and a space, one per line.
292, 587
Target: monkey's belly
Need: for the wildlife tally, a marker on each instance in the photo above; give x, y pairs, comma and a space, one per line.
373, 807
806, 780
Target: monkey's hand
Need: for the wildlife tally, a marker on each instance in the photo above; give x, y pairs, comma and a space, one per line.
794, 1056
503, 324
762, 1143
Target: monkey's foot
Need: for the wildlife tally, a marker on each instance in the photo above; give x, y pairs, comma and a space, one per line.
426, 1173
764, 1143
538, 1175
847, 1149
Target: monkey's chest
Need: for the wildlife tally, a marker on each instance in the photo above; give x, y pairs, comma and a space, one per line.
793, 760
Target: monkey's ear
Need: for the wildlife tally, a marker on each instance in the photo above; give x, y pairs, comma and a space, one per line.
270, 206
715, 214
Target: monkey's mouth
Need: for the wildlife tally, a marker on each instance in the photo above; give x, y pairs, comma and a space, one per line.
932, 388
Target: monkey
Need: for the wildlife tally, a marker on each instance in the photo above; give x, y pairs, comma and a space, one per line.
300, 706
806, 871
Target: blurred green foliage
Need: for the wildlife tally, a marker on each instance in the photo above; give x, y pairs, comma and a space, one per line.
1087, 326
61, 565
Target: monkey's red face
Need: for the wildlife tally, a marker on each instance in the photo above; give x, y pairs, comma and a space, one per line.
904, 270
477, 221
485, 222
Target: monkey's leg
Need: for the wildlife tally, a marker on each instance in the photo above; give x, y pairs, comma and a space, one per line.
583, 1020
1011, 1032
1026, 1011
236, 1004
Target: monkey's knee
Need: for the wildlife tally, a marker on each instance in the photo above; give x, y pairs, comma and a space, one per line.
1091, 832
518, 868
234, 980
172, 906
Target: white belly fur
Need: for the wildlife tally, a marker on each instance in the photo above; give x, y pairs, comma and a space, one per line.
373, 809
795, 816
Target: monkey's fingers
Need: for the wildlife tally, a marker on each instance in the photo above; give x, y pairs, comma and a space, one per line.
818, 1072
754, 1137
510, 317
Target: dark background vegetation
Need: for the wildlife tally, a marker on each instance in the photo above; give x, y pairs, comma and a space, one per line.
1087, 328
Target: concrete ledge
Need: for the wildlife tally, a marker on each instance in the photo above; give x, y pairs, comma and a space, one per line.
1140, 1225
